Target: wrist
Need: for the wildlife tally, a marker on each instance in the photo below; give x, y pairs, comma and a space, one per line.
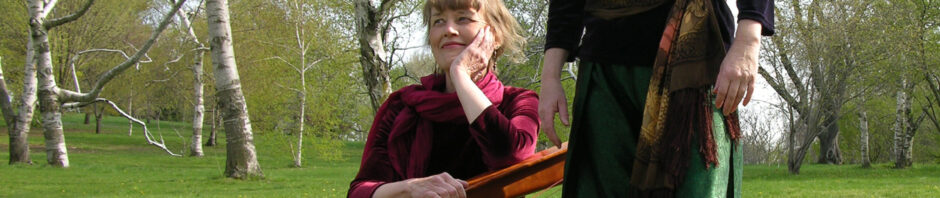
748, 33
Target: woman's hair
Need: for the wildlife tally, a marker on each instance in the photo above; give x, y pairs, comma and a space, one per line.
496, 15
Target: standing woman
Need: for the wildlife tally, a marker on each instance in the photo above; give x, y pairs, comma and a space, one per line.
656, 96
428, 138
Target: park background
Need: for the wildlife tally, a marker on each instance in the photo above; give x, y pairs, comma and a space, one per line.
848, 103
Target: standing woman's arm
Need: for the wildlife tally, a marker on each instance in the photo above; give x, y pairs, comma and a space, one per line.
565, 27
739, 68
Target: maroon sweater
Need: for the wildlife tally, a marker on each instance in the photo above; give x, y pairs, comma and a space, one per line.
504, 134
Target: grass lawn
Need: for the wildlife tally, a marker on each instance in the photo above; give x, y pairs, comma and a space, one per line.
113, 164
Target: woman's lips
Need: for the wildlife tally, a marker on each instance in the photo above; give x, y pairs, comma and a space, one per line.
452, 45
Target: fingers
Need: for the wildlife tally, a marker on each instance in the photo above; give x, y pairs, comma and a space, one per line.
750, 91
563, 111
721, 88
452, 187
547, 109
730, 97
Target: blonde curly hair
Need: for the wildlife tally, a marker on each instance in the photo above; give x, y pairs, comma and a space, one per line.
494, 12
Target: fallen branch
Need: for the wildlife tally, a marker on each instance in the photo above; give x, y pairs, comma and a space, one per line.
150, 139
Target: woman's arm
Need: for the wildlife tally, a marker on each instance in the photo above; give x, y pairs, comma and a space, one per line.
507, 135
552, 93
565, 26
739, 68
472, 59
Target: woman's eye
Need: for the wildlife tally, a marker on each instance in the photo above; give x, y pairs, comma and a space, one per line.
437, 21
464, 20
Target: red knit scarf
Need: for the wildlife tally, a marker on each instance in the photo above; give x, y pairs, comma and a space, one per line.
410, 140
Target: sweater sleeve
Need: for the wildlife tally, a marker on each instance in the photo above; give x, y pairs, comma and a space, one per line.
376, 168
761, 11
508, 137
565, 25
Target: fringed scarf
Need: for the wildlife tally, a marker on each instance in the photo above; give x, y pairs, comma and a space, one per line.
410, 140
678, 106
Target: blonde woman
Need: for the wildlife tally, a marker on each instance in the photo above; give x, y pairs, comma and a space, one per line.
428, 138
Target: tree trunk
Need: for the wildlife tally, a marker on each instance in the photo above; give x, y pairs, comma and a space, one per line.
195, 146
98, 114
215, 120
130, 111
19, 147
87, 119
241, 161
303, 107
903, 136
863, 132
56, 153
371, 29
829, 152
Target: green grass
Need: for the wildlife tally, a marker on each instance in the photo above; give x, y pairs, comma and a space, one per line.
923, 180
113, 164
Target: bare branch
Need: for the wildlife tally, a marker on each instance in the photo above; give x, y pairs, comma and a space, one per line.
150, 139
59, 21
6, 100
285, 87
71, 96
48, 8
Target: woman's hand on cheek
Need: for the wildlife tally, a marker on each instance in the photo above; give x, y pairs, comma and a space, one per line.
474, 59
440, 185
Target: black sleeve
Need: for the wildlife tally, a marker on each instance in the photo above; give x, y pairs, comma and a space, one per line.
565, 25
761, 11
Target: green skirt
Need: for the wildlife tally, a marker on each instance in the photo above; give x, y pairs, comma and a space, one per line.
608, 112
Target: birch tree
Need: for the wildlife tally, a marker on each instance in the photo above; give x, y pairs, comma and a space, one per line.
186, 27
863, 133
914, 27
372, 28
906, 125
296, 13
52, 98
241, 160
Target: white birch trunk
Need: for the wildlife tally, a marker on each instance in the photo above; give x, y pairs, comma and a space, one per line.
56, 152
195, 146
241, 161
19, 147
903, 129
371, 23
863, 140
130, 111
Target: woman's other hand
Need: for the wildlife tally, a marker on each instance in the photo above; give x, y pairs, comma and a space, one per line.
739, 68
440, 185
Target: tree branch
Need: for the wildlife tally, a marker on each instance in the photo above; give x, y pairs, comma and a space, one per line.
59, 21
71, 96
6, 101
778, 87
150, 139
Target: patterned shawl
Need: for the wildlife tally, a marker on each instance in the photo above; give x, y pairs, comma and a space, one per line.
678, 103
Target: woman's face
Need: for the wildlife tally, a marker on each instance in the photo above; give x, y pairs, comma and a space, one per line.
450, 32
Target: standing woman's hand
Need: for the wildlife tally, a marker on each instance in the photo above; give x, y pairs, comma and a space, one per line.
552, 95
739, 68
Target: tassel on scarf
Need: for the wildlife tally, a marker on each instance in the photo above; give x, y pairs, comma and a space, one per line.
688, 114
